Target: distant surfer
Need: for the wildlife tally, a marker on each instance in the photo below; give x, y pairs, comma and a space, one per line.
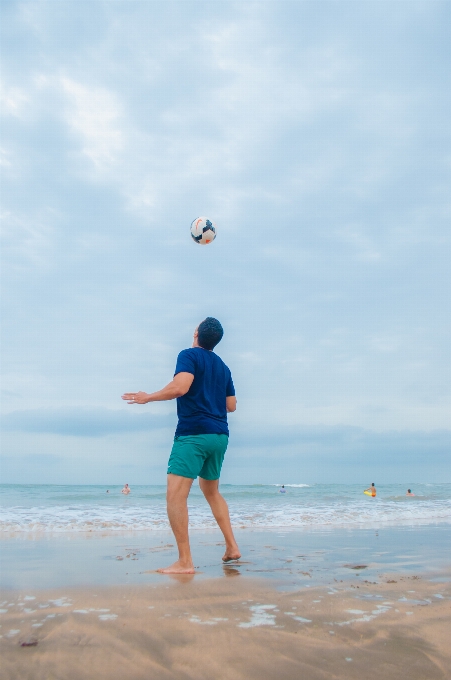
283, 489
126, 490
409, 493
371, 491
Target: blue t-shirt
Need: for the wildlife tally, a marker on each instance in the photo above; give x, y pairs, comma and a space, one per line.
202, 410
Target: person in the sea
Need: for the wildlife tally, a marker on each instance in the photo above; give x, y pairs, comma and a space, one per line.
372, 489
204, 390
282, 489
126, 489
409, 493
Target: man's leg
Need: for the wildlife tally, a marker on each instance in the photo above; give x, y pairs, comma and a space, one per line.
220, 510
177, 494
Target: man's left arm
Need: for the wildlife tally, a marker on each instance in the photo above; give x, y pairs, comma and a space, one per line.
231, 404
230, 395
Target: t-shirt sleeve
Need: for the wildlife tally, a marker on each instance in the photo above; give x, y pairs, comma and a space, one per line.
185, 363
230, 389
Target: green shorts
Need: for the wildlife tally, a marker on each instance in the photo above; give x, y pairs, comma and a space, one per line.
198, 454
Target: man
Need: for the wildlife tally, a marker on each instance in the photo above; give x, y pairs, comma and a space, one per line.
126, 490
205, 393
371, 490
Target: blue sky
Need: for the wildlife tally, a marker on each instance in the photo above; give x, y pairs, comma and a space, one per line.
317, 136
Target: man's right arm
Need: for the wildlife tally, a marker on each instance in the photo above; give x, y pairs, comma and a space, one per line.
231, 404
176, 388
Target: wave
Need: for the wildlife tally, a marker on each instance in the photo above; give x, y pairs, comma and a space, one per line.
101, 518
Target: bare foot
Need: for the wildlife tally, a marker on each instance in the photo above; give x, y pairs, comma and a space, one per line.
231, 555
178, 568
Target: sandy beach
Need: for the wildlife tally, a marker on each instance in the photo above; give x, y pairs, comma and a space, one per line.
312, 605
317, 603
230, 628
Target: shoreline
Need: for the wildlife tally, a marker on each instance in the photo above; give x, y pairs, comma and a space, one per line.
294, 557
231, 628
299, 604
323, 527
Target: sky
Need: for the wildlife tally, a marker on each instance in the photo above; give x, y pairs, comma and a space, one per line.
317, 136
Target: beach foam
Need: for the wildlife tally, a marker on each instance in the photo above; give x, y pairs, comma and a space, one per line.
136, 518
91, 510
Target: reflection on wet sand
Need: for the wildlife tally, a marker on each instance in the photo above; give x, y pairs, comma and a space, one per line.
231, 571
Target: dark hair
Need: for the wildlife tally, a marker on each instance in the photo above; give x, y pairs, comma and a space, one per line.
209, 333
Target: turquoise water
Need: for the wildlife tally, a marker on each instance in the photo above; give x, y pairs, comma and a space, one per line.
52, 508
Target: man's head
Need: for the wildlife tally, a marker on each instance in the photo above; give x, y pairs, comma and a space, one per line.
209, 333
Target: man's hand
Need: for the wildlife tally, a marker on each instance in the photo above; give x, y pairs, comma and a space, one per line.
136, 397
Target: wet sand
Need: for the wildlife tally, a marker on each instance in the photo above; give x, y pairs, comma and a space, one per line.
307, 557
231, 628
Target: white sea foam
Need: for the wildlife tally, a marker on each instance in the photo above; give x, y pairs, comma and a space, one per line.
261, 616
260, 515
250, 507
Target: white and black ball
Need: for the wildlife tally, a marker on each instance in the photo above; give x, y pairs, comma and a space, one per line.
203, 231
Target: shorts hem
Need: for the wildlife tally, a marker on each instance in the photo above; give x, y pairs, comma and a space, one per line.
179, 474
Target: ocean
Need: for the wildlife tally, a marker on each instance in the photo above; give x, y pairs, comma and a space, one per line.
46, 509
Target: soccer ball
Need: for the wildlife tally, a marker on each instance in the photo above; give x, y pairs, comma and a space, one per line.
203, 231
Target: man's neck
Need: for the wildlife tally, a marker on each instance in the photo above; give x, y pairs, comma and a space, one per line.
195, 344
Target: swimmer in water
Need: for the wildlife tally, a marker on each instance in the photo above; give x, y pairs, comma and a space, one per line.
409, 493
283, 489
372, 490
126, 489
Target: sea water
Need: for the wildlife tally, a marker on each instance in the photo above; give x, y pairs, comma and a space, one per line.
41, 509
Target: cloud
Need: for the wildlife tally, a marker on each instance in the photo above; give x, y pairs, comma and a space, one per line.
365, 248
94, 115
13, 100
313, 133
27, 241
76, 422
348, 441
